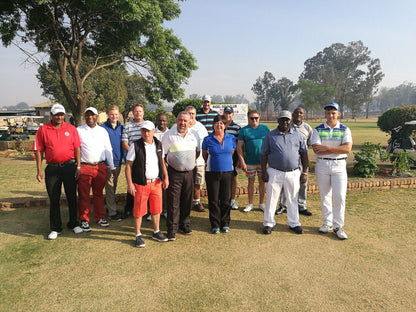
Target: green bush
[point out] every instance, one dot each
(401, 163)
(395, 117)
(148, 115)
(181, 105)
(365, 165)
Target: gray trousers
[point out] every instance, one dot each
(301, 197)
(110, 191)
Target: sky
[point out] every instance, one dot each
(236, 41)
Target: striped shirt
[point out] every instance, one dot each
(206, 119)
(233, 129)
(305, 131)
(325, 135)
(131, 132)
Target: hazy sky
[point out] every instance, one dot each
(236, 41)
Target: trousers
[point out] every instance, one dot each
(110, 191)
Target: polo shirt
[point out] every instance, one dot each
(206, 119)
(131, 132)
(180, 150)
(325, 135)
(58, 144)
(283, 149)
(219, 155)
(233, 129)
(152, 163)
(159, 134)
(253, 139)
(305, 131)
(115, 138)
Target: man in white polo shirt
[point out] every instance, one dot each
(331, 142)
(95, 149)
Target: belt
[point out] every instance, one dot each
(343, 158)
(62, 164)
(151, 180)
(92, 164)
(285, 170)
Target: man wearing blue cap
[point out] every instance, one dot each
(331, 142)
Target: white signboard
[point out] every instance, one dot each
(240, 112)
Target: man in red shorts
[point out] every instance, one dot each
(146, 175)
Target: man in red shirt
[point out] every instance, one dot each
(59, 143)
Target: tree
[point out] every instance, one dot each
(349, 70)
(313, 95)
(282, 93)
(108, 32)
(263, 89)
(404, 94)
(181, 105)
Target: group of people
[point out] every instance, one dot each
(165, 168)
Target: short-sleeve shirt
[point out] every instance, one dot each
(283, 149)
(181, 150)
(305, 131)
(219, 155)
(325, 135)
(152, 162)
(59, 144)
(253, 139)
(131, 132)
(206, 119)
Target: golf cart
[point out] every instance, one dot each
(402, 141)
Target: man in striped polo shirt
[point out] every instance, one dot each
(206, 115)
(331, 142)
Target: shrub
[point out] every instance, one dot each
(366, 165)
(395, 117)
(401, 163)
(181, 105)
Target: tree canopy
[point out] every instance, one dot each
(106, 33)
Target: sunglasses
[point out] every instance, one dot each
(254, 118)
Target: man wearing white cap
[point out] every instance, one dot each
(206, 115)
(146, 177)
(95, 149)
(284, 150)
(59, 142)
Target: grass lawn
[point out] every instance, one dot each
(244, 270)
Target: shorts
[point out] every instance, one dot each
(151, 192)
(199, 175)
(252, 169)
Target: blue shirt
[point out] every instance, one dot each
(253, 138)
(219, 155)
(115, 139)
(283, 149)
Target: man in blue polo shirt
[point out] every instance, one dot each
(114, 130)
(283, 149)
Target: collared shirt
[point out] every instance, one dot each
(325, 135)
(219, 155)
(152, 162)
(283, 149)
(59, 144)
(180, 150)
(305, 131)
(233, 129)
(253, 139)
(115, 138)
(131, 132)
(95, 145)
(159, 134)
(206, 119)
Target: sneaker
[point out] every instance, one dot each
(171, 236)
(215, 230)
(340, 233)
(281, 210)
(325, 228)
(139, 242)
(160, 237)
(225, 229)
(117, 217)
(185, 230)
(77, 230)
(267, 230)
(53, 235)
(165, 214)
(296, 229)
(305, 212)
(262, 207)
(85, 226)
(248, 208)
(149, 217)
(234, 205)
(103, 222)
(198, 207)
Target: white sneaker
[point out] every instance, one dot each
(234, 205)
(262, 207)
(53, 235)
(325, 228)
(248, 208)
(149, 217)
(77, 230)
(103, 222)
(340, 233)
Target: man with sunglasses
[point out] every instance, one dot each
(206, 115)
(250, 139)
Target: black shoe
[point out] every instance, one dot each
(185, 230)
(126, 214)
(281, 210)
(267, 230)
(171, 236)
(85, 226)
(117, 217)
(160, 237)
(296, 229)
(305, 212)
(139, 242)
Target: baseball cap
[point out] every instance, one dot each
(285, 114)
(332, 104)
(228, 109)
(57, 108)
(148, 125)
(92, 109)
(206, 97)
